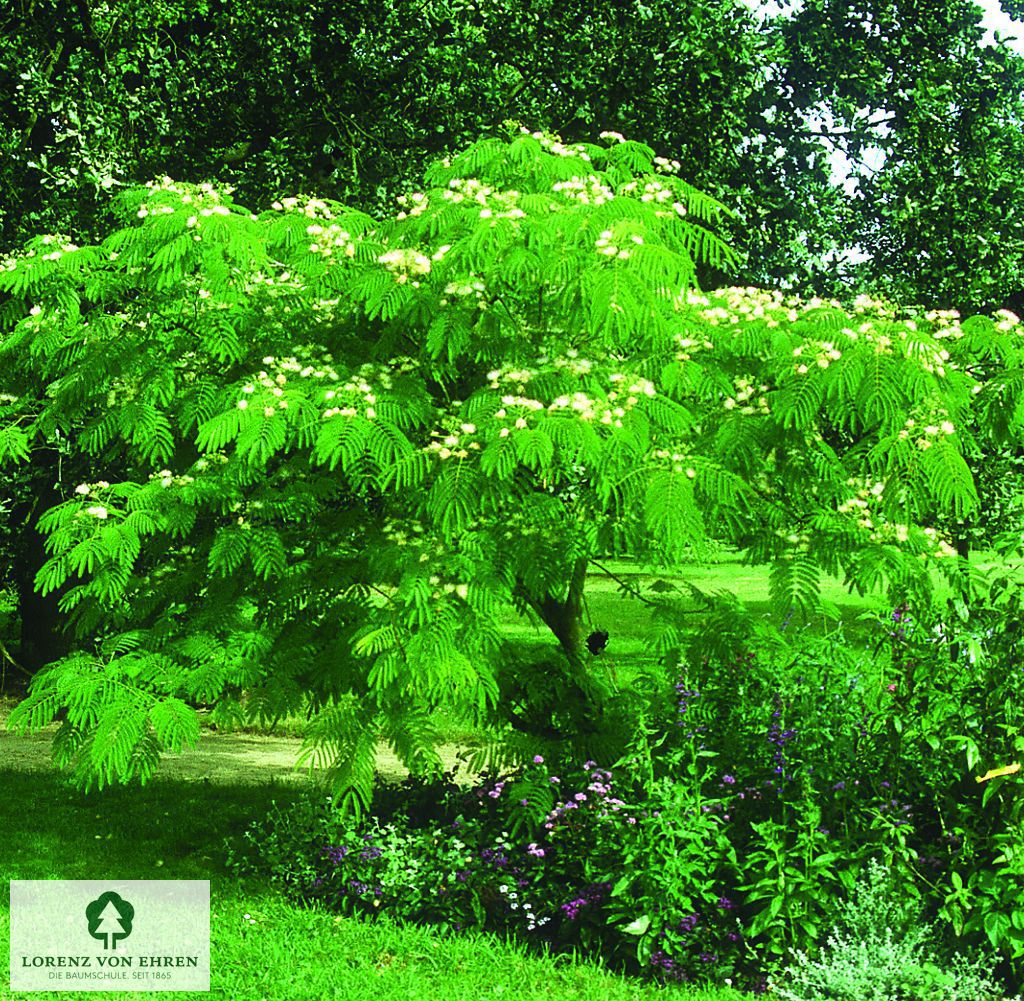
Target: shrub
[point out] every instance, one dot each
(879, 953)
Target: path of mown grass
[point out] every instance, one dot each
(176, 829)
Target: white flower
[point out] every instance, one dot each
(268, 411)
(35, 310)
(97, 512)
(462, 590)
(242, 404)
(82, 489)
(468, 428)
(947, 427)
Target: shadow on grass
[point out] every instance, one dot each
(167, 829)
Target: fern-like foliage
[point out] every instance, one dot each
(322, 453)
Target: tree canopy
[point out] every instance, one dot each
(330, 448)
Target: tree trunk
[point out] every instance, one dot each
(565, 618)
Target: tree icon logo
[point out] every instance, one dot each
(110, 918)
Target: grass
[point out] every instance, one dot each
(175, 830)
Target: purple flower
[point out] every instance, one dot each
(725, 903)
(538, 759)
(493, 857)
(689, 922)
(839, 787)
(572, 909)
(580, 797)
(335, 853)
(729, 779)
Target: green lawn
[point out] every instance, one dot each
(175, 830)
(628, 619)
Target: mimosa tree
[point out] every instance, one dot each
(328, 451)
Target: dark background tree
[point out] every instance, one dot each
(352, 99)
(930, 119)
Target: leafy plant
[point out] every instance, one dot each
(344, 445)
(879, 951)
